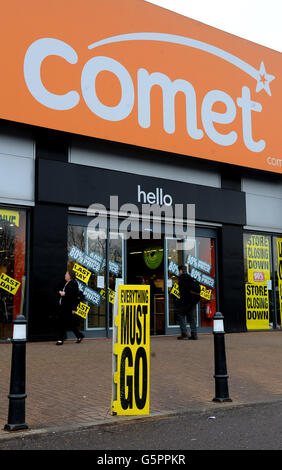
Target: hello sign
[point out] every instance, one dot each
(129, 71)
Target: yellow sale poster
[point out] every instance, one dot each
(9, 284)
(258, 259)
(205, 293)
(279, 272)
(257, 307)
(82, 310)
(132, 351)
(11, 217)
(111, 295)
(175, 290)
(81, 273)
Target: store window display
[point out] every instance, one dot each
(12, 268)
(200, 262)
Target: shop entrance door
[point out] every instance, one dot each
(139, 261)
(200, 259)
(145, 265)
(101, 261)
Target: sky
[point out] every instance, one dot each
(259, 21)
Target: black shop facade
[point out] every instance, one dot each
(228, 254)
(64, 233)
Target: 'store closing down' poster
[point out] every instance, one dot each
(258, 258)
(131, 351)
(257, 307)
(256, 290)
(279, 273)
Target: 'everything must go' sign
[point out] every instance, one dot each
(132, 351)
(132, 72)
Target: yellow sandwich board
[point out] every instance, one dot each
(131, 351)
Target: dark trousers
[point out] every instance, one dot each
(187, 311)
(68, 321)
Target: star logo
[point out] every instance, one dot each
(263, 80)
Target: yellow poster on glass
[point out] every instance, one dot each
(132, 351)
(257, 307)
(258, 258)
(11, 217)
(9, 284)
(279, 273)
(111, 295)
(81, 273)
(204, 293)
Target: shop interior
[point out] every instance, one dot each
(12, 268)
(145, 265)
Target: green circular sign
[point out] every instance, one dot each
(153, 257)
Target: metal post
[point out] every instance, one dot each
(17, 396)
(221, 377)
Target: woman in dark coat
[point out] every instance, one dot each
(68, 301)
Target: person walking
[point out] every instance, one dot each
(68, 302)
(189, 291)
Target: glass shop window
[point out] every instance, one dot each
(258, 281)
(12, 268)
(277, 288)
(200, 261)
(87, 257)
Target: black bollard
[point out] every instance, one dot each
(221, 377)
(17, 396)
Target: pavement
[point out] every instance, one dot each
(69, 387)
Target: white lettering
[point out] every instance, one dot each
(97, 228)
(151, 198)
(247, 107)
(141, 193)
(45, 47)
(129, 226)
(34, 57)
(274, 161)
(154, 198)
(167, 200)
(209, 117)
(89, 73)
(169, 88)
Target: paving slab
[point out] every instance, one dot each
(70, 386)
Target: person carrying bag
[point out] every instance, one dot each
(68, 302)
(189, 290)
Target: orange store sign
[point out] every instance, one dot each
(129, 71)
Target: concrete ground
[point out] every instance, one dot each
(70, 386)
